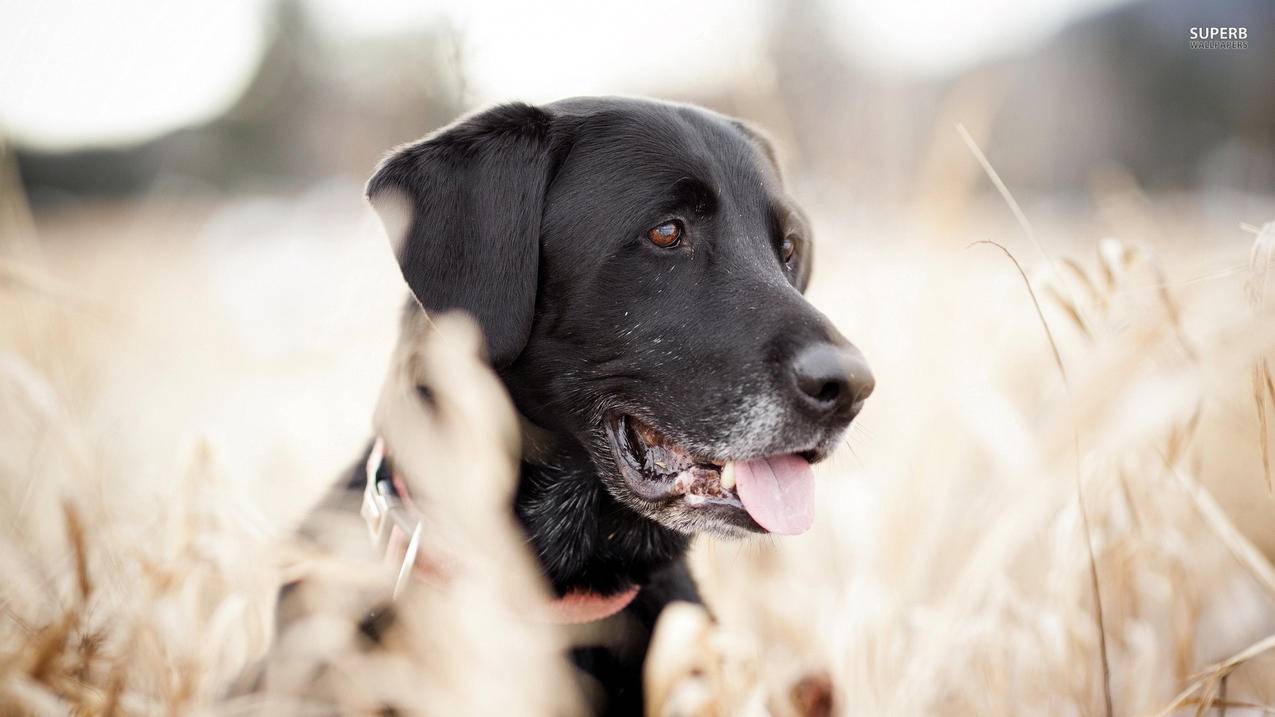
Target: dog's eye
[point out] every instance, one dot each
(666, 235)
(788, 249)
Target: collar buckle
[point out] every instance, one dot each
(390, 522)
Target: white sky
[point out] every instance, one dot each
(83, 72)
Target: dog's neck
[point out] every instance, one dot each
(539, 445)
(583, 537)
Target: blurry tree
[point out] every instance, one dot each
(1122, 89)
(316, 107)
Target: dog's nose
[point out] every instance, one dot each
(832, 379)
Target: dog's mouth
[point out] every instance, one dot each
(771, 494)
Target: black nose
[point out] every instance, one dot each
(832, 379)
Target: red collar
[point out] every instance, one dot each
(395, 527)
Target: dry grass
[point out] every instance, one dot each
(172, 408)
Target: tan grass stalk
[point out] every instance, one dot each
(1216, 672)
(1094, 586)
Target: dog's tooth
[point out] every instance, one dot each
(662, 465)
(728, 476)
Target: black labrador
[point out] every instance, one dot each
(637, 270)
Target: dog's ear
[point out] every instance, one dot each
(761, 141)
(766, 146)
(462, 210)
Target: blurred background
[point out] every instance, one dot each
(205, 102)
(187, 268)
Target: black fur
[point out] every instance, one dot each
(583, 537)
(535, 221)
(475, 196)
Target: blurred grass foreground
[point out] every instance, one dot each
(171, 410)
(1058, 502)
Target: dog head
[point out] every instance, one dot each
(637, 270)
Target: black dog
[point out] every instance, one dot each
(637, 271)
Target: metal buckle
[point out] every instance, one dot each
(385, 512)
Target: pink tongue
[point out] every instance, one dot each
(779, 492)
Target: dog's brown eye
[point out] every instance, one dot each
(666, 235)
(788, 249)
